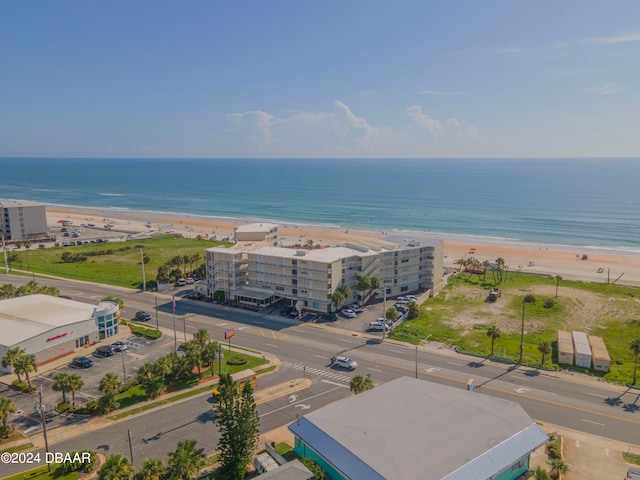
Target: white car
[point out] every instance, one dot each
(348, 313)
(181, 282)
(190, 281)
(378, 326)
(346, 362)
(412, 298)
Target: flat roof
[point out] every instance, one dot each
(449, 432)
(22, 318)
(256, 227)
(19, 203)
(324, 255)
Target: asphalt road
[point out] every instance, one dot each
(594, 408)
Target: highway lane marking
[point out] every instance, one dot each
(300, 401)
(320, 356)
(272, 345)
(375, 369)
(523, 395)
(334, 383)
(454, 363)
(395, 351)
(591, 421)
(594, 394)
(345, 340)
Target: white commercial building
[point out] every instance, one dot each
(23, 220)
(51, 327)
(256, 232)
(258, 275)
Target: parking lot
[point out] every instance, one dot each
(124, 364)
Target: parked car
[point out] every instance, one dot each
(190, 281)
(348, 313)
(82, 362)
(57, 244)
(331, 316)
(412, 298)
(105, 351)
(181, 282)
(346, 362)
(378, 326)
(143, 316)
(64, 229)
(42, 245)
(119, 346)
(355, 308)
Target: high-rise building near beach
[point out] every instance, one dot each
(23, 220)
(258, 274)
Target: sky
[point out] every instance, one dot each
(322, 79)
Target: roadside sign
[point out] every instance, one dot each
(229, 333)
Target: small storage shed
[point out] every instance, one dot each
(565, 347)
(582, 349)
(599, 355)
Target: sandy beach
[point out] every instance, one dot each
(572, 263)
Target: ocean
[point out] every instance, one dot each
(573, 202)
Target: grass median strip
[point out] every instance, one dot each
(17, 448)
(149, 406)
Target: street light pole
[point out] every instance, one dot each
(4, 253)
(416, 361)
(41, 407)
(522, 333)
(124, 372)
(144, 282)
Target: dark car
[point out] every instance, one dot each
(331, 317)
(119, 346)
(143, 316)
(82, 362)
(105, 351)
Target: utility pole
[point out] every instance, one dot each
(522, 333)
(416, 361)
(124, 372)
(175, 335)
(41, 408)
(157, 326)
(144, 282)
(130, 446)
(4, 253)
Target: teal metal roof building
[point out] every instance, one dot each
(411, 429)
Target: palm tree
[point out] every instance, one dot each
(152, 469)
(558, 467)
(558, 278)
(185, 461)
(493, 333)
(7, 407)
(10, 357)
(545, 349)
(75, 384)
(61, 384)
(209, 354)
(337, 299)
(116, 467)
(27, 244)
(345, 290)
(363, 285)
(634, 346)
(201, 337)
(360, 384)
(391, 314)
(374, 284)
(18, 245)
(25, 364)
(540, 474)
(110, 384)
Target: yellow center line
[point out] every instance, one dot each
(516, 394)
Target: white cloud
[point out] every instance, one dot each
(440, 92)
(624, 38)
(341, 133)
(608, 89)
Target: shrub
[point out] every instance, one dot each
(549, 303)
(236, 361)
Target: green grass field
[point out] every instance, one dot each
(122, 268)
(460, 316)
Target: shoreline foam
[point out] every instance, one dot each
(522, 256)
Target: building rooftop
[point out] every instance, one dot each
(324, 255)
(20, 203)
(256, 227)
(25, 317)
(408, 427)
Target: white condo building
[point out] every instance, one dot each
(258, 274)
(23, 220)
